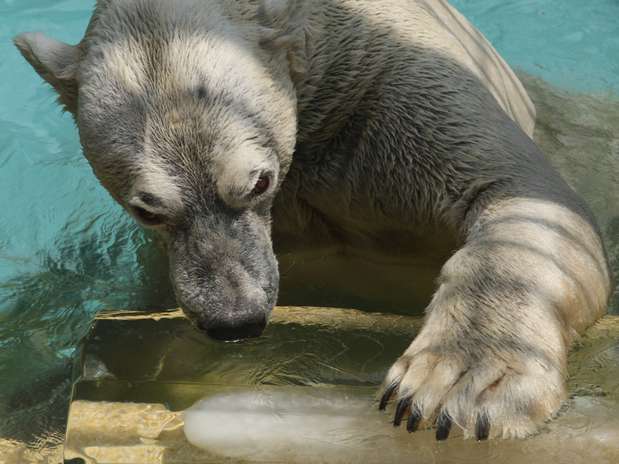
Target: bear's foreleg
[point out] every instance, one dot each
(491, 356)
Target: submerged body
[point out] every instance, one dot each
(373, 136)
(349, 218)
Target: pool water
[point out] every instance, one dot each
(67, 250)
(570, 43)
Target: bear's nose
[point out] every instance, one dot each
(248, 327)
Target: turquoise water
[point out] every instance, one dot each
(571, 43)
(67, 250)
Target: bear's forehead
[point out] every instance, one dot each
(168, 64)
(161, 44)
(185, 131)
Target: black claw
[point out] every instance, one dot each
(402, 407)
(443, 426)
(482, 427)
(385, 398)
(414, 419)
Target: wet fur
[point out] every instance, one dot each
(386, 125)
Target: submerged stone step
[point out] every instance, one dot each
(303, 392)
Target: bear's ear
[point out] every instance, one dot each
(55, 61)
(281, 21)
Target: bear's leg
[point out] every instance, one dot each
(491, 356)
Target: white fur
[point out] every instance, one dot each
(154, 179)
(237, 173)
(124, 64)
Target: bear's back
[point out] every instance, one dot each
(436, 25)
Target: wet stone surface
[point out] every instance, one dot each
(305, 392)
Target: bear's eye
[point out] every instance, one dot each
(262, 185)
(147, 217)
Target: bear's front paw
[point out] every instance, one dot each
(484, 391)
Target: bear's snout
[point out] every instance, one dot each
(235, 314)
(239, 328)
(225, 275)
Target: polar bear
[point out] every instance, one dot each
(378, 147)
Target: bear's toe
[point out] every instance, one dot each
(485, 399)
